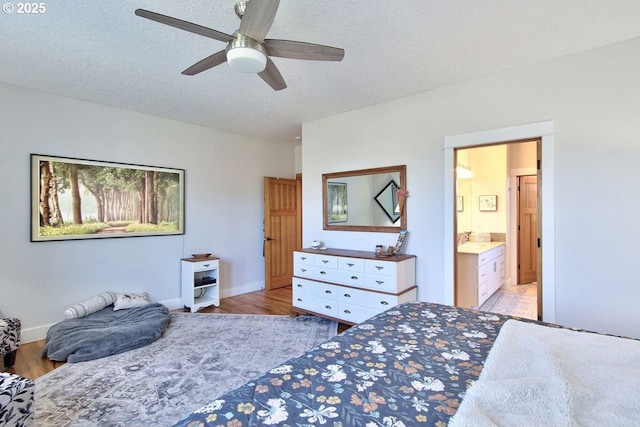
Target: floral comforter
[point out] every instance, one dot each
(410, 365)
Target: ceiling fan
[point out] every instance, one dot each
(247, 49)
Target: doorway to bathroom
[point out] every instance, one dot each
(545, 169)
(496, 219)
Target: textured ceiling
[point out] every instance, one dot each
(98, 50)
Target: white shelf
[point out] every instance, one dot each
(197, 275)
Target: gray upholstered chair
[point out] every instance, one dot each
(9, 340)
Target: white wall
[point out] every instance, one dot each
(594, 100)
(223, 205)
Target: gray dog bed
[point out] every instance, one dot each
(106, 332)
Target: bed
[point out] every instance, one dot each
(410, 365)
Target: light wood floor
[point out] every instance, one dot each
(31, 364)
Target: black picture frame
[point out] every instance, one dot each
(387, 199)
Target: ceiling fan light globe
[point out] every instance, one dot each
(246, 60)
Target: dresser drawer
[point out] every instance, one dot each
(384, 268)
(304, 270)
(303, 258)
(351, 264)
(316, 272)
(351, 278)
(326, 261)
(327, 307)
(372, 300)
(381, 283)
(312, 288)
(354, 313)
(205, 265)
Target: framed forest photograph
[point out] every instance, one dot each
(337, 202)
(91, 199)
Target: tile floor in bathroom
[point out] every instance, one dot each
(518, 300)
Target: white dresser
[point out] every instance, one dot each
(351, 286)
(480, 272)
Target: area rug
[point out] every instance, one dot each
(513, 304)
(200, 357)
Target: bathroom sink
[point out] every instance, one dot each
(473, 245)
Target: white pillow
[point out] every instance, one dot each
(89, 306)
(131, 300)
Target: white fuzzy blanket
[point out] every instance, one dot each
(540, 376)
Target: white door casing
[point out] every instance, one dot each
(545, 131)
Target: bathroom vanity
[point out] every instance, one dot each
(480, 272)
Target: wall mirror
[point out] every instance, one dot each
(364, 200)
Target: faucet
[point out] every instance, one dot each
(463, 237)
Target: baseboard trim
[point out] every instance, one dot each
(249, 287)
(40, 332)
(34, 334)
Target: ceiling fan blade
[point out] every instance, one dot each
(208, 62)
(184, 25)
(302, 50)
(258, 17)
(271, 75)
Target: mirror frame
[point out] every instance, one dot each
(401, 169)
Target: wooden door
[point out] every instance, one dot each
(527, 229)
(281, 230)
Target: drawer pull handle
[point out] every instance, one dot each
(328, 307)
(327, 291)
(299, 285)
(379, 267)
(354, 277)
(206, 265)
(384, 303)
(303, 258)
(324, 261)
(347, 296)
(323, 272)
(350, 264)
(379, 282)
(347, 312)
(300, 299)
(303, 270)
